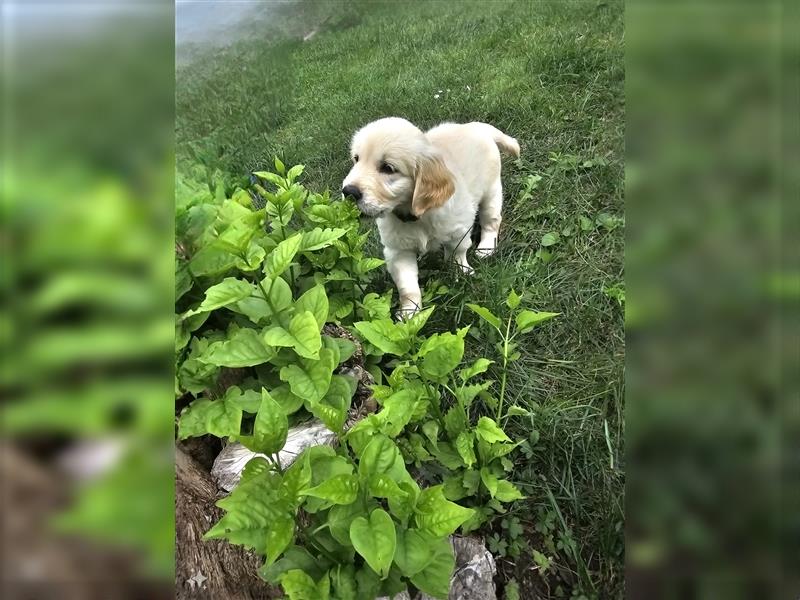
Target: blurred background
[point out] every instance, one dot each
(713, 284)
(712, 422)
(86, 457)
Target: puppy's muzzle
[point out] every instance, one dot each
(354, 193)
(351, 191)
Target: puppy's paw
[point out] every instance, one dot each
(466, 269)
(484, 251)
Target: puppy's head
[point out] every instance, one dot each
(395, 167)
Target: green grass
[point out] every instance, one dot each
(551, 75)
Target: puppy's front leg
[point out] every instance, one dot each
(402, 265)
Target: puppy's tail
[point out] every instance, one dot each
(506, 143)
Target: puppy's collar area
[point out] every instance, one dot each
(404, 214)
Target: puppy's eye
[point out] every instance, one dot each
(387, 169)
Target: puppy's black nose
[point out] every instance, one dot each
(352, 191)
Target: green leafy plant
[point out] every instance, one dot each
(255, 290)
(519, 321)
(443, 430)
(258, 290)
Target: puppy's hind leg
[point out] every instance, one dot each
(402, 266)
(489, 217)
(458, 249)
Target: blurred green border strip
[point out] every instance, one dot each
(712, 284)
(87, 326)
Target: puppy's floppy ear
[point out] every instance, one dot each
(433, 185)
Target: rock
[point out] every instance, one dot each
(473, 578)
(230, 463)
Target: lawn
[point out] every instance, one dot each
(551, 75)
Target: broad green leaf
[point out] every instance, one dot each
(486, 315)
(297, 477)
(436, 515)
(414, 551)
(342, 489)
(489, 452)
(273, 178)
(319, 238)
(379, 457)
(361, 434)
(282, 256)
(211, 261)
(311, 378)
(365, 265)
(417, 321)
(279, 537)
(245, 348)
(339, 307)
(447, 455)
(397, 412)
(294, 173)
(269, 429)
(490, 432)
(258, 309)
(385, 335)
(324, 466)
(550, 239)
(369, 584)
(507, 491)
(333, 408)
(489, 480)
(441, 354)
(513, 300)
(248, 401)
(302, 336)
(375, 540)
(227, 292)
(343, 581)
(314, 301)
(471, 481)
(455, 422)
(517, 411)
(476, 368)
(377, 307)
(254, 256)
(217, 417)
(183, 280)
(528, 319)
(403, 506)
(252, 508)
(339, 519)
(453, 487)
(383, 486)
(294, 558)
(236, 238)
(345, 347)
(431, 431)
(299, 586)
(330, 343)
(466, 394)
(434, 579)
(465, 447)
(289, 402)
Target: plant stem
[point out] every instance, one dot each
(310, 542)
(505, 366)
(266, 296)
(276, 461)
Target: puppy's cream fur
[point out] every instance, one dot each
(425, 190)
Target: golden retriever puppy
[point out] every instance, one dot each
(425, 189)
